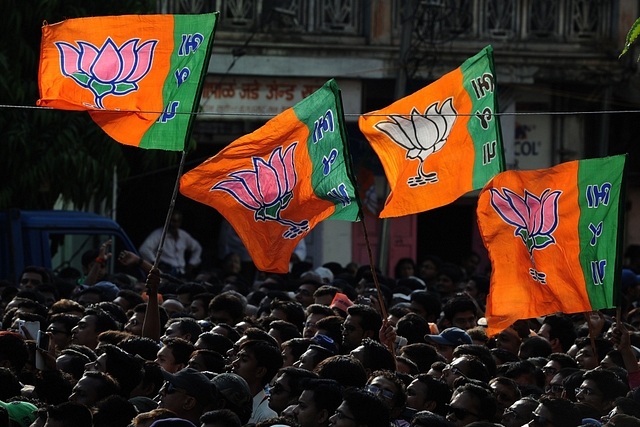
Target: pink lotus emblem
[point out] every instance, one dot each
(535, 218)
(108, 70)
(267, 189)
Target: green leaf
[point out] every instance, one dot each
(101, 88)
(632, 35)
(124, 87)
(541, 240)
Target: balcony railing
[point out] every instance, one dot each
(435, 21)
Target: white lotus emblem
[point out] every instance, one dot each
(421, 135)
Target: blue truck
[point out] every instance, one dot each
(56, 239)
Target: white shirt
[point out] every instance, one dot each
(174, 250)
(261, 410)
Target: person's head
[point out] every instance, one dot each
(93, 387)
(226, 308)
(599, 389)
(425, 305)
(422, 354)
(324, 294)
(235, 394)
(69, 414)
(283, 331)
(388, 386)
(174, 355)
(314, 313)
(558, 329)
(552, 412)
(405, 267)
(94, 322)
(312, 356)
(290, 311)
(585, 357)
(479, 351)
(186, 328)
(373, 356)
(257, 362)
(127, 299)
(534, 347)
(122, 366)
(362, 322)
(506, 392)
(426, 393)
(520, 412)
(32, 276)
(345, 369)
(199, 307)
(478, 287)
(60, 325)
(471, 403)
(360, 408)
(460, 312)
(207, 360)
(293, 349)
(412, 327)
(287, 387)
(448, 340)
(449, 276)
(509, 340)
(557, 361)
(466, 366)
(13, 351)
(317, 402)
(188, 393)
(305, 291)
(220, 418)
(214, 341)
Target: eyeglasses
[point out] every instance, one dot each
(58, 331)
(169, 388)
(460, 413)
(454, 370)
(554, 388)
(309, 324)
(384, 393)
(538, 420)
(348, 328)
(341, 415)
(277, 389)
(549, 370)
(510, 413)
(586, 391)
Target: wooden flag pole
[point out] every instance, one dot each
(383, 309)
(172, 204)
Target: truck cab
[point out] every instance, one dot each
(56, 239)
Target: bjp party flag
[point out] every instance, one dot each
(440, 142)
(554, 239)
(275, 184)
(139, 76)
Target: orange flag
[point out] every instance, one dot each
(441, 142)
(553, 237)
(139, 76)
(275, 184)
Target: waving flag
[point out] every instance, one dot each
(440, 142)
(139, 76)
(553, 237)
(275, 184)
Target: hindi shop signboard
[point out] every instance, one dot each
(260, 98)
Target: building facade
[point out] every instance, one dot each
(557, 70)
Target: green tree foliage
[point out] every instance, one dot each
(47, 153)
(632, 35)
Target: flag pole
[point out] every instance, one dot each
(383, 309)
(172, 204)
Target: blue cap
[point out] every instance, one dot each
(450, 336)
(325, 342)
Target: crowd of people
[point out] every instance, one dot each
(323, 346)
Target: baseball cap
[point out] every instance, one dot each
(325, 274)
(234, 388)
(195, 384)
(325, 342)
(450, 336)
(23, 413)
